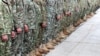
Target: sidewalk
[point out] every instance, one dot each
(85, 41)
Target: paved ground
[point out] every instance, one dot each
(85, 41)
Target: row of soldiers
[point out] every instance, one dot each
(27, 24)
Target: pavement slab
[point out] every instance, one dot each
(84, 41)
